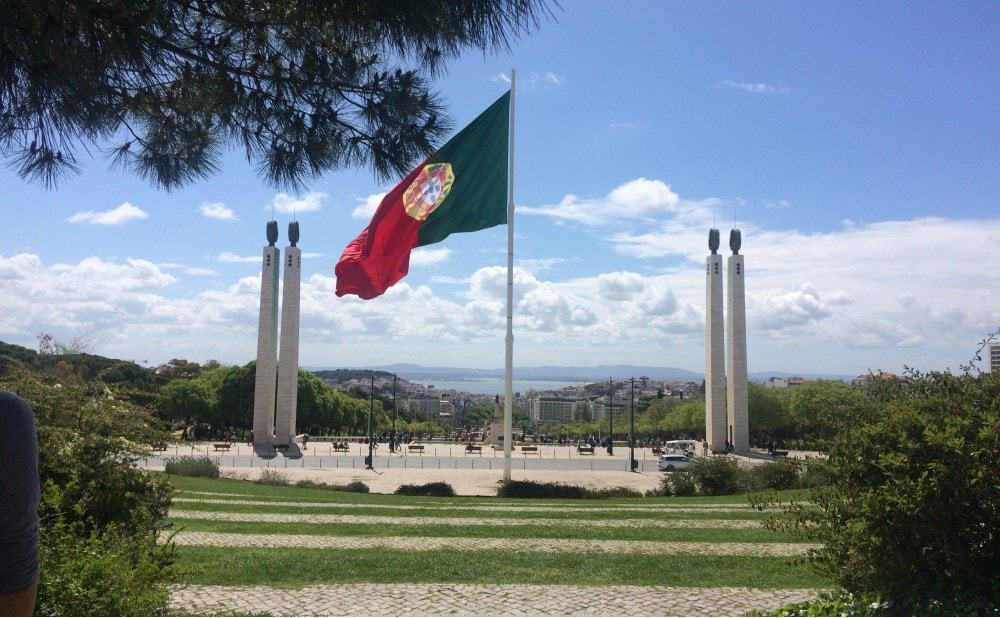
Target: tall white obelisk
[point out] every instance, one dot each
(288, 361)
(267, 343)
(715, 378)
(736, 349)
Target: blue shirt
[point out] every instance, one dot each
(19, 494)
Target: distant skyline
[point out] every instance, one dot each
(855, 144)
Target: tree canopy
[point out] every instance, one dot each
(303, 87)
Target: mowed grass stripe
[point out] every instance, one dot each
(456, 509)
(299, 567)
(431, 544)
(568, 534)
(232, 490)
(318, 518)
(659, 505)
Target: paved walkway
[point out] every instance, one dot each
(481, 600)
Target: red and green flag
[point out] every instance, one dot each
(461, 188)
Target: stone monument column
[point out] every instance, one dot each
(715, 378)
(267, 343)
(737, 393)
(288, 361)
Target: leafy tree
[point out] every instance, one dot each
(687, 419)
(767, 414)
(47, 344)
(187, 401)
(234, 394)
(99, 511)
(817, 406)
(656, 413)
(320, 408)
(480, 414)
(178, 368)
(911, 515)
(302, 87)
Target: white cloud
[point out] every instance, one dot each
(285, 203)
(640, 198)
(533, 80)
(753, 88)
(367, 207)
(118, 216)
(218, 210)
(866, 295)
(428, 257)
(233, 258)
(195, 271)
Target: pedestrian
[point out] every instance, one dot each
(19, 516)
(305, 442)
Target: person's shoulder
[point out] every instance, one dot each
(12, 401)
(16, 417)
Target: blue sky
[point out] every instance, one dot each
(856, 144)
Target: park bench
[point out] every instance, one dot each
(473, 448)
(222, 446)
(585, 450)
(159, 448)
(415, 448)
(530, 450)
(780, 454)
(340, 446)
(281, 447)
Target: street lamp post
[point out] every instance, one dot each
(370, 460)
(631, 432)
(392, 437)
(611, 417)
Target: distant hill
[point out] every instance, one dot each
(599, 373)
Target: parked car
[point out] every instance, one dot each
(675, 461)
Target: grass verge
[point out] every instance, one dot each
(302, 567)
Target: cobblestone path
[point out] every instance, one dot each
(481, 600)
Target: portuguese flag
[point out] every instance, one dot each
(461, 188)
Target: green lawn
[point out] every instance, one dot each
(559, 523)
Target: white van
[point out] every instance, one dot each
(688, 448)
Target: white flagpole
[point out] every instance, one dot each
(508, 384)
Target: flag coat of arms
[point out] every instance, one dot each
(460, 188)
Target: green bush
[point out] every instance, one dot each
(911, 516)
(105, 573)
(359, 487)
(271, 476)
(98, 510)
(778, 475)
(192, 466)
(532, 489)
(835, 604)
(612, 492)
(436, 490)
(815, 474)
(680, 483)
(718, 476)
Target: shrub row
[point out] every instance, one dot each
(192, 466)
(718, 476)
